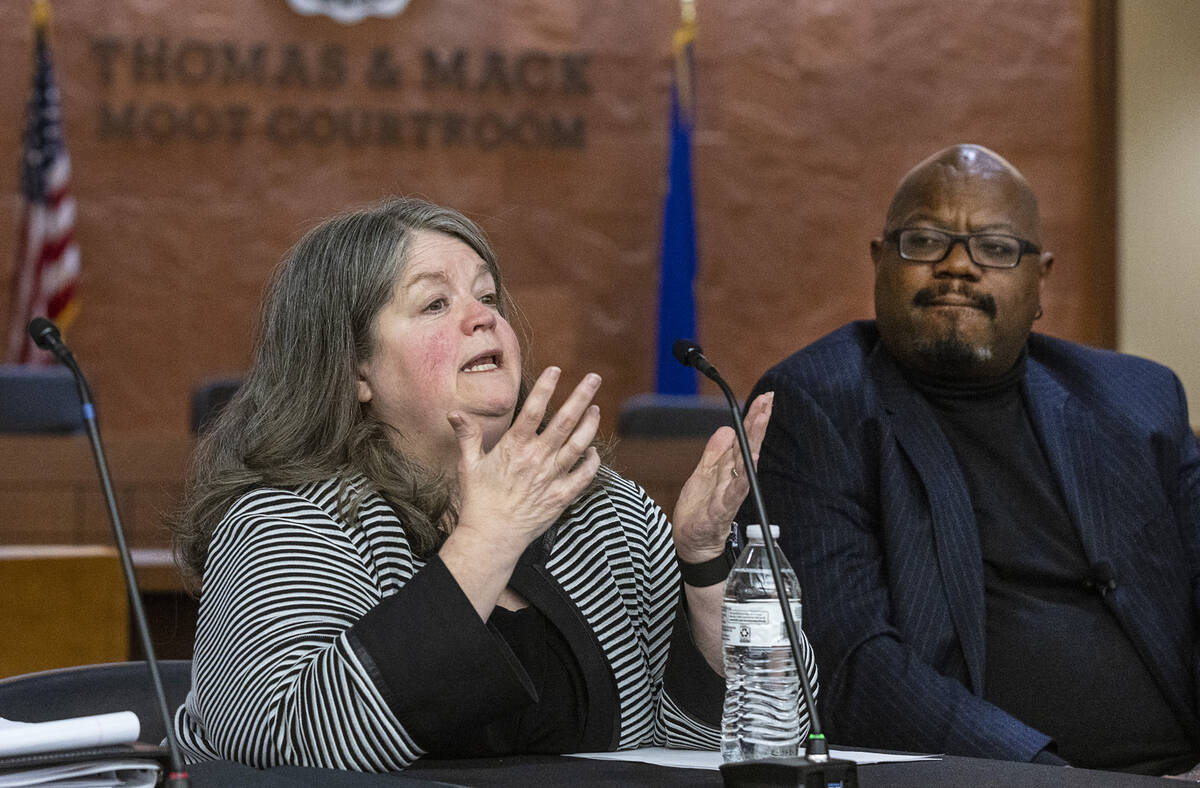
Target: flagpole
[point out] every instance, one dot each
(684, 37)
(41, 15)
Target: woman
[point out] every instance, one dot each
(403, 554)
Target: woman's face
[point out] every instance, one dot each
(440, 345)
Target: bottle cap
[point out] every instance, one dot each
(755, 532)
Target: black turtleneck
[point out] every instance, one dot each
(1056, 657)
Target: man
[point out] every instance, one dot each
(997, 533)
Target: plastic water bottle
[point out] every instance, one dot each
(762, 689)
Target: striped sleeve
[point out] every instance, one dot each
(307, 655)
(275, 677)
(678, 700)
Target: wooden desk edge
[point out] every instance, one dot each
(156, 571)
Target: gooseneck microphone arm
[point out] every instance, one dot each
(689, 354)
(45, 334)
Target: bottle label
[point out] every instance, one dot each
(756, 623)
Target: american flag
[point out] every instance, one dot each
(47, 266)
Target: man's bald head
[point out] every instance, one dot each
(954, 316)
(957, 168)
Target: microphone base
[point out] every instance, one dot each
(791, 772)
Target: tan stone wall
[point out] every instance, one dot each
(809, 113)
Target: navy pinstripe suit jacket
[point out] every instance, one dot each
(878, 525)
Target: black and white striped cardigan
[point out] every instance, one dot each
(328, 643)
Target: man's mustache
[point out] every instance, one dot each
(981, 301)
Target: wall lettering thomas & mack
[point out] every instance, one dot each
(528, 99)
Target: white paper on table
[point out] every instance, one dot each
(130, 773)
(711, 759)
(97, 730)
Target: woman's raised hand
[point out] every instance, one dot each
(513, 492)
(711, 496)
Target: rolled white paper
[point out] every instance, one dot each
(98, 730)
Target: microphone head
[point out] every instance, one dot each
(685, 351)
(45, 333)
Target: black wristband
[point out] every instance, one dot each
(710, 572)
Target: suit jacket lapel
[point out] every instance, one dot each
(1106, 508)
(956, 538)
(1070, 436)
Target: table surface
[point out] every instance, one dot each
(527, 770)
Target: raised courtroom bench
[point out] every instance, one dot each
(50, 491)
(50, 494)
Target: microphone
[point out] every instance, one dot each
(46, 335)
(689, 354)
(1101, 577)
(816, 768)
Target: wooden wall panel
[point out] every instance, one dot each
(809, 112)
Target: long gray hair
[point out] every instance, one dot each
(296, 417)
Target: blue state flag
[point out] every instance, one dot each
(677, 302)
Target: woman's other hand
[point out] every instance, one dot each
(713, 493)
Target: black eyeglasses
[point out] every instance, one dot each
(989, 250)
